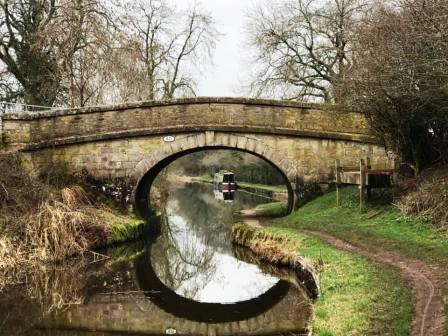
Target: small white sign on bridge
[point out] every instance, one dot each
(169, 138)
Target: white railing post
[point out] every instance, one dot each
(7, 107)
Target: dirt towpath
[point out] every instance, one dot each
(424, 280)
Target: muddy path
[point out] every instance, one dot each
(424, 280)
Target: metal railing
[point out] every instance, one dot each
(6, 107)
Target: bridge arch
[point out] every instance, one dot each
(150, 166)
(113, 142)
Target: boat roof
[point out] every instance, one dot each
(224, 172)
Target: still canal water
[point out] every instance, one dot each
(184, 278)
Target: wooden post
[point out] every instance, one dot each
(368, 187)
(362, 183)
(367, 162)
(338, 181)
(395, 166)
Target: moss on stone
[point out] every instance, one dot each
(127, 229)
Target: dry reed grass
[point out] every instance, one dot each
(59, 230)
(76, 196)
(427, 196)
(273, 249)
(41, 224)
(8, 254)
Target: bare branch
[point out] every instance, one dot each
(305, 43)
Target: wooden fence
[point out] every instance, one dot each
(364, 176)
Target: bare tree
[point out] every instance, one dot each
(303, 47)
(26, 49)
(55, 51)
(10, 89)
(164, 49)
(85, 37)
(78, 53)
(400, 79)
(145, 48)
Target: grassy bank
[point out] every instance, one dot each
(378, 227)
(357, 297)
(274, 209)
(279, 250)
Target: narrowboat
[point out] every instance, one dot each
(224, 181)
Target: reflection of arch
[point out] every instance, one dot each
(147, 169)
(181, 307)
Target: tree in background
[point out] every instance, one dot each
(247, 167)
(304, 47)
(28, 50)
(54, 51)
(388, 59)
(162, 50)
(80, 53)
(400, 78)
(9, 87)
(85, 38)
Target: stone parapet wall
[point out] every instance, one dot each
(49, 128)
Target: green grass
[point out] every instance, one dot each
(358, 297)
(274, 209)
(411, 237)
(204, 178)
(273, 188)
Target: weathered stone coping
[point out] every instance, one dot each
(269, 249)
(186, 129)
(179, 101)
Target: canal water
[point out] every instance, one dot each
(185, 278)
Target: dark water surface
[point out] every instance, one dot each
(185, 278)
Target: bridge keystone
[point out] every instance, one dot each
(209, 137)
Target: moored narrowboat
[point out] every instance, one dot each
(224, 181)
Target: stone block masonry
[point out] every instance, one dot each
(48, 128)
(126, 141)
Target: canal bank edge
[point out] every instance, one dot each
(277, 250)
(407, 246)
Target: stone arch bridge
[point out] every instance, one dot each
(135, 141)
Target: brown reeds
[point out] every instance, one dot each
(273, 249)
(76, 196)
(427, 197)
(39, 223)
(60, 230)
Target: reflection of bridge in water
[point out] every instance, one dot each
(285, 308)
(148, 306)
(134, 313)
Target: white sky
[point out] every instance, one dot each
(230, 66)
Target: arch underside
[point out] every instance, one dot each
(148, 168)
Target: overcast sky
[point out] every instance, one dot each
(230, 60)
